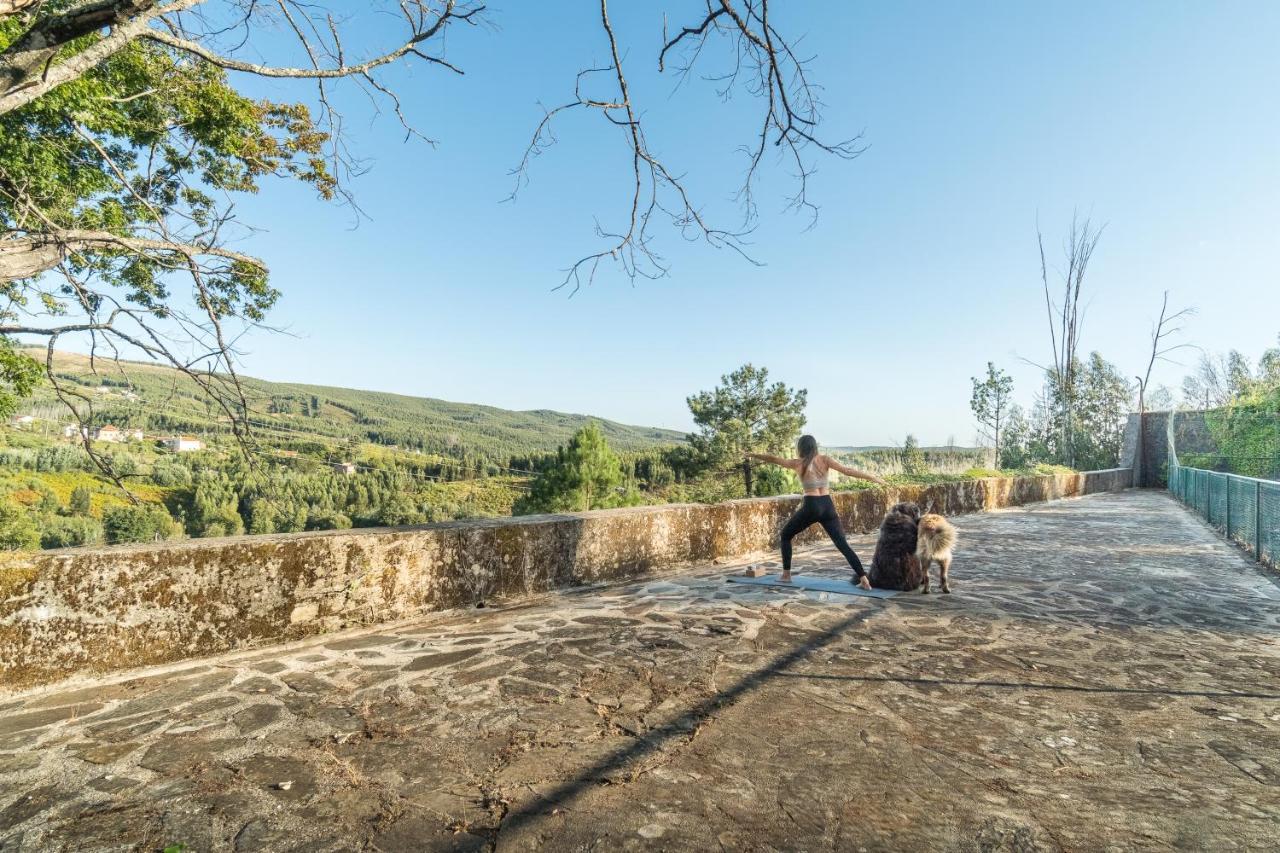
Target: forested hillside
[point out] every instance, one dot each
(312, 418)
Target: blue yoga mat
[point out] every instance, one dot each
(815, 584)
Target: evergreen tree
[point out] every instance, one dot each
(745, 414)
(138, 523)
(1105, 398)
(913, 461)
(1014, 449)
(81, 501)
(990, 403)
(585, 475)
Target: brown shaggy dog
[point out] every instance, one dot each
(895, 565)
(935, 540)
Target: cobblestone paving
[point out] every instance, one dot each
(1105, 677)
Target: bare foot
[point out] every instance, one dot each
(785, 578)
(864, 582)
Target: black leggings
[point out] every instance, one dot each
(822, 509)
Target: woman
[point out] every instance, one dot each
(814, 468)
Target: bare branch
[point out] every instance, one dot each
(410, 47)
(791, 114)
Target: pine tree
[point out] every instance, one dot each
(745, 414)
(913, 462)
(81, 501)
(990, 403)
(586, 474)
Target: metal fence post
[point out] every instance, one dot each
(1257, 521)
(1228, 506)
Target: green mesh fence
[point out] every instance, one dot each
(1245, 509)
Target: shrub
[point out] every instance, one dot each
(17, 529)
(62, 459)
(398, 512)
(140, 523)
(63, 532)
(48, 500)
(169, 474)
(81, 502)
(326, 519)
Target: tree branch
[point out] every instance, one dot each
(410, 47)
(27, 256)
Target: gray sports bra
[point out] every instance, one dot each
(814, 481)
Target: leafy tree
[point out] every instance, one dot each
(81, 502)
(1246, 426)
(1267, 378)
(773, 480)
(70, 532)
(124, 142)
(1015, 451)
(328, 520)
(990, 403)
(745, 414)
(170, 474)
(913, 461)
(399, 511)
(1101, 402)
(138, 523)
(214, 508)
(1217, 380)
(585, 475)
(19, 374)
(1104, 403)
(17, 529)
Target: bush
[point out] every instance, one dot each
(123, 464)
(63, 459)
(81, 502)
(140, 523)
(71, 532)
(48, 500)
(328, 520)
(398, 512)
(169, 474)
(17, 529)
(913, 461)
(773, 480)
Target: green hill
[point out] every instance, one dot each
(161, 400)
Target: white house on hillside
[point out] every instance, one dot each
(74, 431)
(108, 433)
(183, 443)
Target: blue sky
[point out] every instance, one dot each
(1160, 119)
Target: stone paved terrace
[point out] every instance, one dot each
(1106, 677)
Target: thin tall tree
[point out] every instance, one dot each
(1065, 320)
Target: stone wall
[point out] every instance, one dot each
(1191, 433)
(88, 611)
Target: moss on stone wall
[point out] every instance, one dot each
(94, 610)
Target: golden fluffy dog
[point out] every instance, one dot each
(935, 540)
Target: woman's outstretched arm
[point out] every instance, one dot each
(853, 472)
(775, 460)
